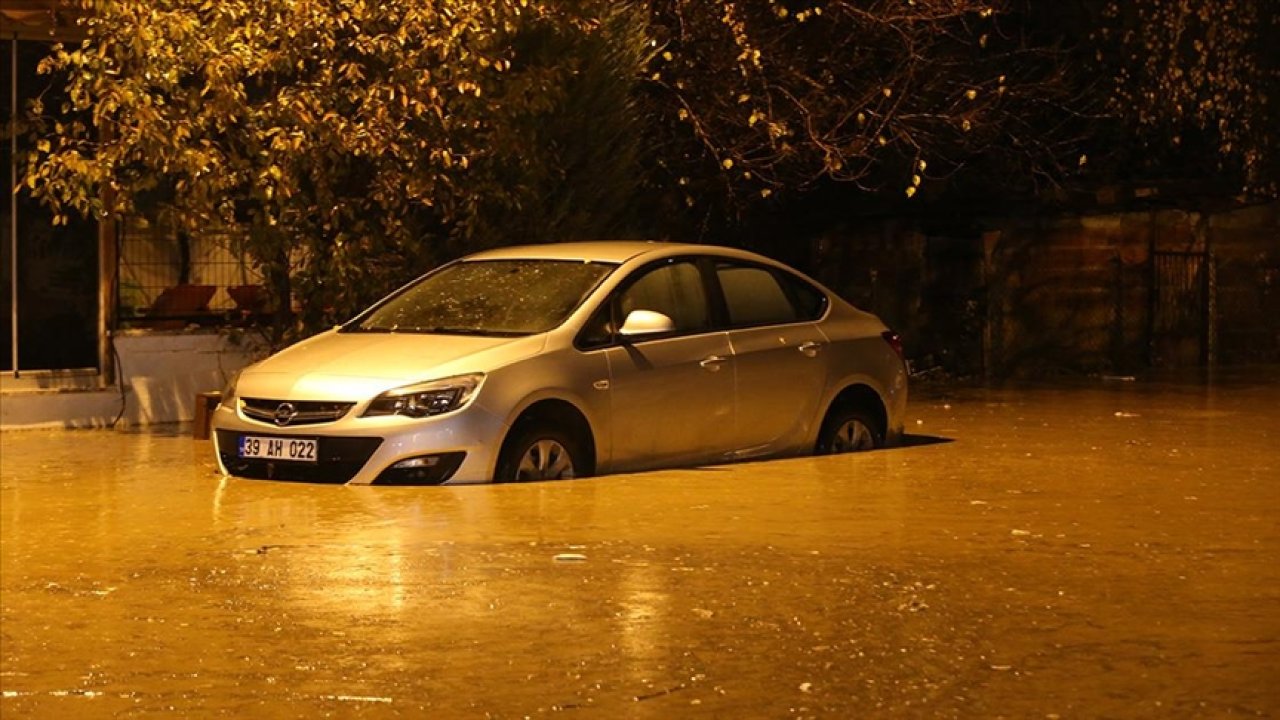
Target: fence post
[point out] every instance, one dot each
(1211, 309)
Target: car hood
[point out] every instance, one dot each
(357, 366)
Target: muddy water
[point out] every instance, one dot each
(1096, 550)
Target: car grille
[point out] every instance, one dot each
(293, 412)
(338, 460)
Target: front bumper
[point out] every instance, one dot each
(457, 448)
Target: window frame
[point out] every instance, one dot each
(717, 303)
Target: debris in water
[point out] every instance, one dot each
(805, 687)
(570, 558)
(357, 698)
(1122, 414)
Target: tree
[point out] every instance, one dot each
(368, 142)
(782, 96)
(1197, 83)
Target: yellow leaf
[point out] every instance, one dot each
(726, 163)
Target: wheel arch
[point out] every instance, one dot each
(559, 413)
(862, 396)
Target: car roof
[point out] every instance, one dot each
(612, 251)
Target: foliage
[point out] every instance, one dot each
(376, 138)
(780, 96)
(372, 139)
(1198, 81)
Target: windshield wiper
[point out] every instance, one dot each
(445, 330)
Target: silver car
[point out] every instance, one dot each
(567, 360)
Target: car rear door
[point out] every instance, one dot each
(779, 355)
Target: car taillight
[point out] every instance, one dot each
(894, 341)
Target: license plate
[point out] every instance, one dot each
(270, 448)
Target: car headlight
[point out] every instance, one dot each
(427, 398)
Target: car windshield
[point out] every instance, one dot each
(488, 297)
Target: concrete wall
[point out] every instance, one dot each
(1080, 293)
(163, 372)
(1070, 293)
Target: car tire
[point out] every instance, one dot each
(848, 429)
(539, 452)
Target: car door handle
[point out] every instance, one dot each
(810, 348)
(713, 362)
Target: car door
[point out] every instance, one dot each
(779, 355)
(672, 393)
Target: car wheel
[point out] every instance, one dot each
(848, 430)
(540, 453)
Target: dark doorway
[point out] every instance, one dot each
(955, 294)
(55, 267)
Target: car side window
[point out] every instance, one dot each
(598, 331)
(809, 302)
(754, 296)
(674, 290)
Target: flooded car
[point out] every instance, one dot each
(567, 360)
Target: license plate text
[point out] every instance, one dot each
(269, 448)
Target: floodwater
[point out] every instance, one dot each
(1092, 549)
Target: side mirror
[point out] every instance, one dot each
(645, 322)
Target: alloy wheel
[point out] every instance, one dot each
(852, 436)
(545, 459)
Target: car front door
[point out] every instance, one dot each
(671, 393)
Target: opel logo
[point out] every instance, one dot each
(285, 413)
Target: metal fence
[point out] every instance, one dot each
(169, 278)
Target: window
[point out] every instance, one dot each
(754, 296)
(808, 300)
(488, 297)
(675, 291)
